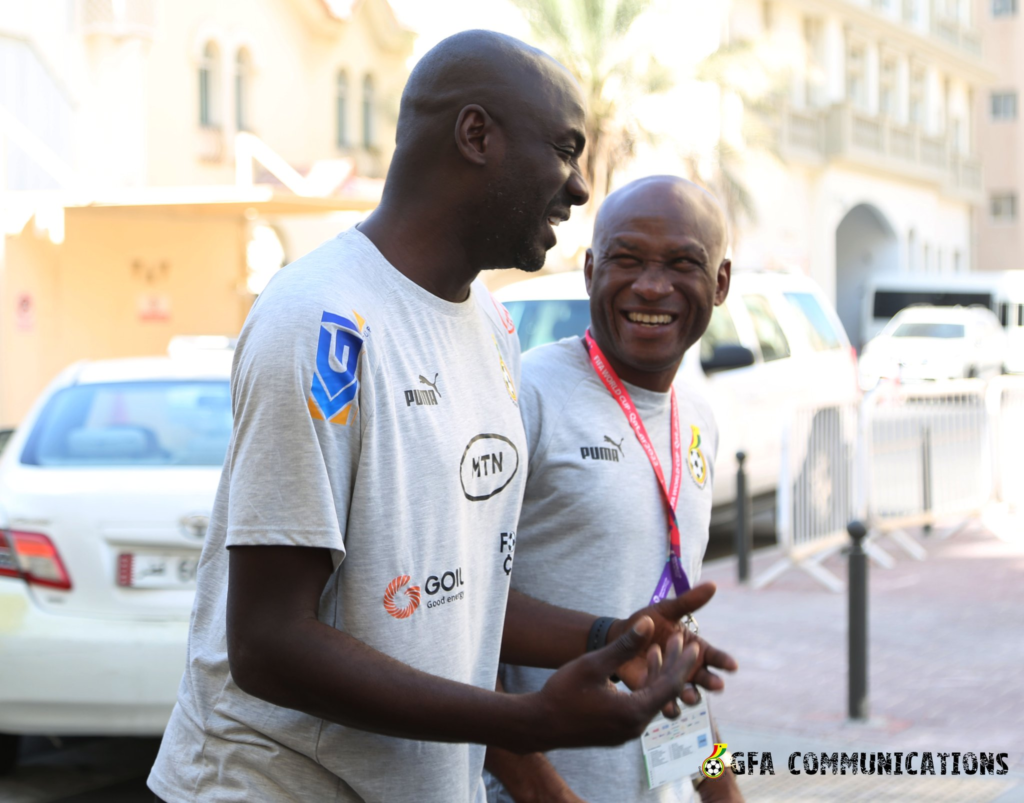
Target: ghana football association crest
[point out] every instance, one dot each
(714, 765)
(510, 386)
(695, 459)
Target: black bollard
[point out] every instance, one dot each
(858, 622)
(744, 521)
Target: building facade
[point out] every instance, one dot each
(1000, 236)
(873, 163)
(159, 160)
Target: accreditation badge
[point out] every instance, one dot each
(674, 749)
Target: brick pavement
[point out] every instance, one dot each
(946, 657)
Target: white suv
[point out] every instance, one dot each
(931, 343)
(105, 492)
(799, 354)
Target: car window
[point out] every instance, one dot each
(773, 342)
(925, 329)
(820, 332)
(540, 322)
(888, 302)
(166, 423)
(720, 332)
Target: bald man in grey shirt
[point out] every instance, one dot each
(593, 533)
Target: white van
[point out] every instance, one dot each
(884, 296)
(798, 355)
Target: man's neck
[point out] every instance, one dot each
(658, 381)
(424, 249)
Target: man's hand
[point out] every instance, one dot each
(666, 615)
(579, 706)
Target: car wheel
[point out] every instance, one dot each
(822, 493)
(8, 753)
(972, 372)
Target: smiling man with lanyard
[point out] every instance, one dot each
(597, 508)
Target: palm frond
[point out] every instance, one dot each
(626, 13)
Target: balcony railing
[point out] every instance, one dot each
(952, 31)
(843, 133)
(117, 17)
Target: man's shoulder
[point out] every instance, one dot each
(553, 372)
(693, 399)
(344, 267)
(563, 356)
(339, 281)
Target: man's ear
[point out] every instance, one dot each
(477, 136)
(724, 279)
(588, 268)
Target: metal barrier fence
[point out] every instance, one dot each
(910, 456)
(817, 493)
(1006, 406)
(929, 459)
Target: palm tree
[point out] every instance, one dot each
(740, 71)
(590, 37)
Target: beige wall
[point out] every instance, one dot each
(1001, 245)
(86, 292)
(136, 124)
(295, 60)
(135, 92)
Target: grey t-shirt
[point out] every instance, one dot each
(593, 534)
(380, 422)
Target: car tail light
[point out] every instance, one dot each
(33, 558)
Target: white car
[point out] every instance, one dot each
(105, 493)
(775, 344)
(932, 343)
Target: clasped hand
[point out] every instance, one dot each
(653, 654)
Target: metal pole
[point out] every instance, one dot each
(926, 474)
(858, 622)
(744, 521)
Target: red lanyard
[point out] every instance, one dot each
(621, 395)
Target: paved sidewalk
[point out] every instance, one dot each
(946, 670)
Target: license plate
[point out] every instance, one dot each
(149, 570)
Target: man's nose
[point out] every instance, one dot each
(578, 189)
(652, 283)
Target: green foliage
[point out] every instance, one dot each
(591, 38)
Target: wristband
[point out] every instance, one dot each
(599, 633)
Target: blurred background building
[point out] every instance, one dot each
(1000, 239)
(873, 164)
(160, 160)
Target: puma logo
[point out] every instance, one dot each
(616, 445)
(425, 381)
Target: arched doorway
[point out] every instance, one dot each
(866, 246)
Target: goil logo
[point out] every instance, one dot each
(412, 594)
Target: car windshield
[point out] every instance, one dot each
(540, 322)
(945, 331)
(159, 423)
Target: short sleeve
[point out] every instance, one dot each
(297, 394)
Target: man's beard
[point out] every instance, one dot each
(515, 235)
